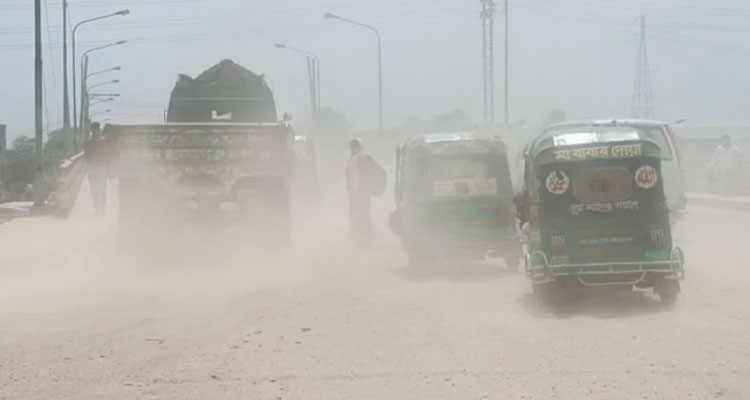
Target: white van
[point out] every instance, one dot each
(672, 167)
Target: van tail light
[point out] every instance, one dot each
(676, 145)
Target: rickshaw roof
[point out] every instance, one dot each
(599, 137)
(434, 142)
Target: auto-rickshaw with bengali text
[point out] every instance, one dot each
(594, 213)
(454, 200)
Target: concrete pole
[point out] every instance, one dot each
(38, 99)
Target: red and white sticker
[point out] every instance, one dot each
(646, 177)
(557, 182)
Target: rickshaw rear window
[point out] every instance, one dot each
(459, 168)
(575, 138)
(462, 176)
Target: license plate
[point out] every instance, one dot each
(190, 154)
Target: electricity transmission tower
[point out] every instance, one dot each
(643, 96)
(488, 58)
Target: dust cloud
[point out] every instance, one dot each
(99, 307)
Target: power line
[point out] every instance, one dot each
(23, 7)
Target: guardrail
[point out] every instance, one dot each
(697, 153)
(734, 203)
(67, 183)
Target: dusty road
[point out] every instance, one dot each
(78, 320)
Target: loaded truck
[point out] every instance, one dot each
(222, 156)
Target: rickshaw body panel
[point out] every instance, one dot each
(466, 217)
(598, 216)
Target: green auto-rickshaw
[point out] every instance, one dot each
(595, 214)
(454, 199)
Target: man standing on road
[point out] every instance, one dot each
(96, 161)
(725, 167)
(364, 179)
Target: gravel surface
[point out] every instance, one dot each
(80, 319)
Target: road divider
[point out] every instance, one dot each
(68, 179)
(737, 203)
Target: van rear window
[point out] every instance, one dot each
(658, 134)
(575, 138)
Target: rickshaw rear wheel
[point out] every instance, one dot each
(548, 293)
(513, 264)
(668, 291)
(419, 258)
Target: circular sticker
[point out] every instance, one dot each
(645, 176)
(557, 182)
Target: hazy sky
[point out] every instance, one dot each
(575, 55)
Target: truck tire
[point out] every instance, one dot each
(420, 257)
(128, 220)
(138, 226)
(266, 210)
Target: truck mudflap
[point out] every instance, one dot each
(638, 273)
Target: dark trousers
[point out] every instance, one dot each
(359, 218)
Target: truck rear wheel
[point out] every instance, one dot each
(420, 257)
(140, 222)
(130, 223)
(265, 208)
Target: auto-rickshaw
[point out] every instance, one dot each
(594, 213)
(454, 200)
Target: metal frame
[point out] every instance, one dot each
(549, 273)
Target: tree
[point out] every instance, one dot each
(454, 120)
(20, 164)
(19, 160)
(335, 129)
(451, 121)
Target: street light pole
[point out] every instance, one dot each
(73, 45)
(380, 62)
(103, 71)
(89, 103)
(102, 84)
(100, 112)
(84, 90)
(66, 100)
(315, 76)
(98, 101)
(38, 132)
(507, 101)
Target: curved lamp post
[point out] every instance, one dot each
(380, 61)
(120, 13)
(317, 70)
